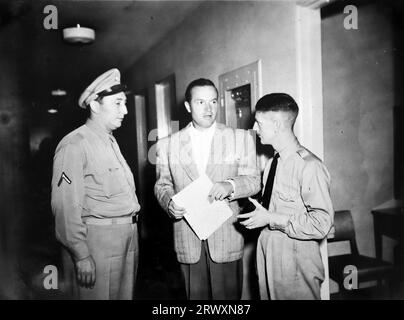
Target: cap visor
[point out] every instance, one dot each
(113, 90)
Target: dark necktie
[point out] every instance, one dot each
(266, 197)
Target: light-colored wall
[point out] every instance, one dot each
(220, 37)
(358, 80)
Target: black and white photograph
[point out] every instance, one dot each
(210, 151)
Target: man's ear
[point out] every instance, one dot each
(187, 106)
(95, 106)
(279, 125)
(280, 121)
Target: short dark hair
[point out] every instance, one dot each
(277, 102)
(201, 82)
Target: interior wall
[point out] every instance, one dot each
(13, 155)
(358, 84)
(213, 40)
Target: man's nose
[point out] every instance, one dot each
(255, 127)
(124, 110)
(208, 106)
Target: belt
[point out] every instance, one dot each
(110, 221)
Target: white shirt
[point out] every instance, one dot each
(201, 141)
(201, 144)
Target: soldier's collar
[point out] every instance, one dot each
(99, 131)
(288, 147)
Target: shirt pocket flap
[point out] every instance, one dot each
(109, 179)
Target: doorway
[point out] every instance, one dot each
(165, 101)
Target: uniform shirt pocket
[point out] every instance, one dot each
(289, 196)
(108, 181)
(112, 182)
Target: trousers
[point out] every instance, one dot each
(288, 269)
(114, 249)
(208, 280)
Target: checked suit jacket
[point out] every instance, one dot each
(232, 156)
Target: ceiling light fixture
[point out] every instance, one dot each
(58, 93)
(78, 34)
(52, 110)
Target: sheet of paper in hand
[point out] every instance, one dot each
(203, 217)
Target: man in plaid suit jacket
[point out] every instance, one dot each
(212, 268)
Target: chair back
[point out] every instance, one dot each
(344, 229)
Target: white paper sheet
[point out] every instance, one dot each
(203, 217)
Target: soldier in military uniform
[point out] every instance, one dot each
(297, 216)
(94, 199)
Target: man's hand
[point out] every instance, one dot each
(175, 212)
(86, 272)
(220, 191)
(258, 218)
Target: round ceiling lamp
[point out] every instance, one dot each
(52, 110)
(58, 93)
(78, 34)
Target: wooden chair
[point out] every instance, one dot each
(368, 268)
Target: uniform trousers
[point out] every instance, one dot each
(208, 280)
(288, 269)
(114, 249)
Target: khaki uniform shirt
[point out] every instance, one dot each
(300, 203)
(90, 179)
